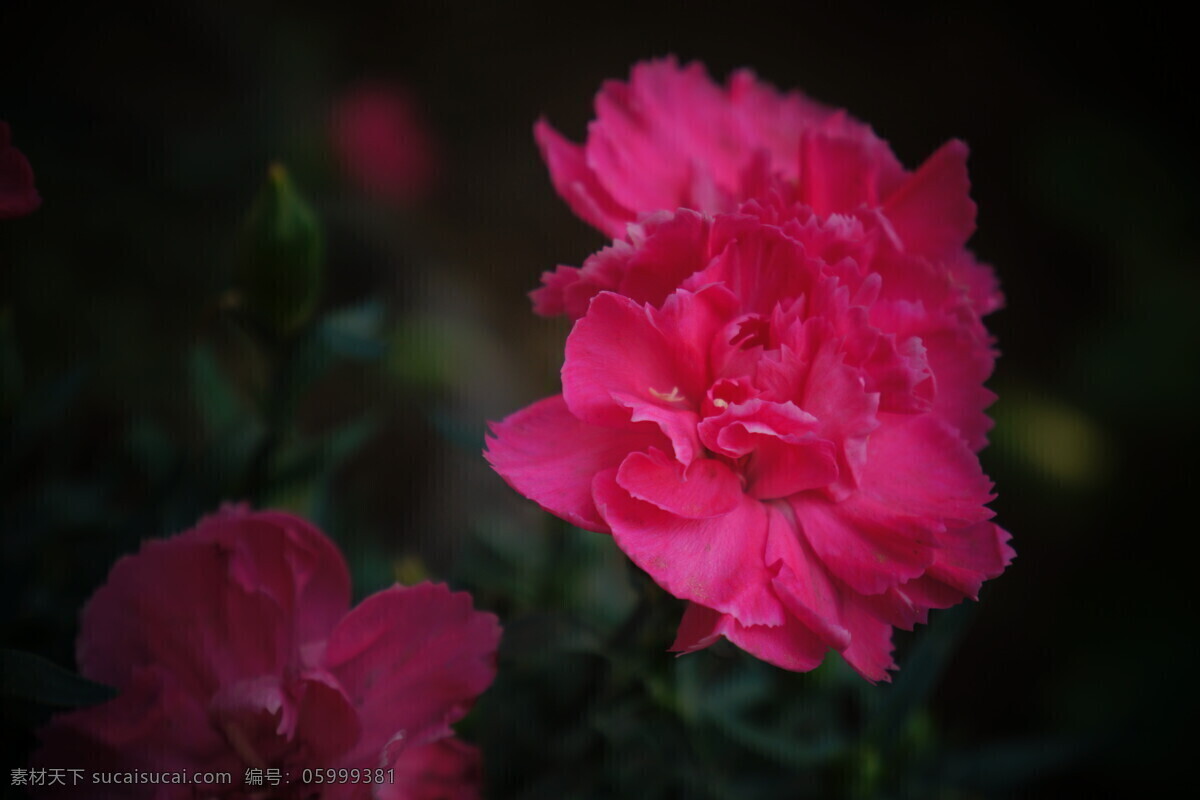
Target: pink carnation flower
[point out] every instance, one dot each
(773, 405)
(234, 647)
(671, 138)
(18, 196)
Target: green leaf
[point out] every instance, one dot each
(354, 332)
(314, 458)
(31, 677)
(216, 400)
(347, 333)
(735, 693)
(281, 256)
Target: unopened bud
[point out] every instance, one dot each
(281, 257)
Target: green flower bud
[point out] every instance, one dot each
(281, 257)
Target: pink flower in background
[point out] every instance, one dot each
(18, 196)
(383, 143)
(773, 396)
(234, 647)
(670, 138)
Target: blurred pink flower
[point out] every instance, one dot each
(670, 138)
(233, 646)
(383, 143)
(18, 196)
(772, 396)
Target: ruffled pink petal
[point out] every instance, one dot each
(717, 562)
(267, 721)
(259, 588)
(899, 371)
(932, 210)
(759, 264)
(552, 298)
(678, 425)
(257, 717)
(959, 355)
(447, 769)
(836, 174)
(702, 490)
(961, 362)
(155, 724)
(577, 184)
(668, 248)
(801, 580)
(773, 119)
(968, 556)
(738, 430)
(786, 456)
(861, 546)
(310, 582)
(569, 290)
(789, 645)
(697, 629)
(907, 277)
(784, 466)
(870, 650)
(126, 626)
(889, 172)
(550, 456)
(326, 721)
(919, 467)
(979, 281)
(656, 356)
(654, 135)
(412, 660)
(835, 393)
(838, 614)
(656, 256)
(906, 605)
(671, 137)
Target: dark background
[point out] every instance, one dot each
(150, 127)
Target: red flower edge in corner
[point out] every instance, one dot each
(18, 196)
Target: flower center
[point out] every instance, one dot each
(753, 331)
(672, 396)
